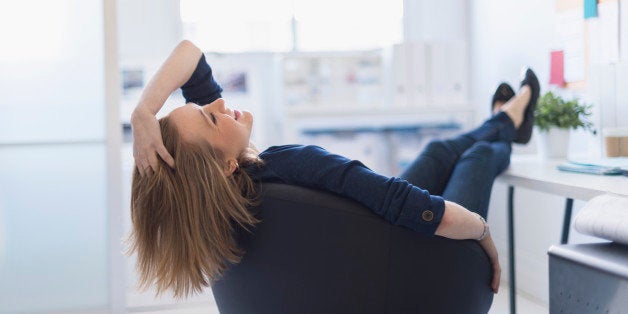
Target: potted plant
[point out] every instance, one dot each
(554, 117)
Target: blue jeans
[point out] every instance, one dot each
(463, 169)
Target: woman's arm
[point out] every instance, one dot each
(174, 72)
(460, 223)
(394, 199)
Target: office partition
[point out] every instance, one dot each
(55, 173)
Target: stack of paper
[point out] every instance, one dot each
(600, 166)
(605, 216)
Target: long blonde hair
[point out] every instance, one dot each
(183, 218)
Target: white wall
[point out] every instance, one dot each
(148, 31)
(504, 36)
(148, 28)
(440, 20)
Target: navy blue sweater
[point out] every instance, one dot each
(394, 199)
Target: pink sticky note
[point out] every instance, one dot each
(557, 66)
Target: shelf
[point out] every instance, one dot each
(315, 110)
(353, 118)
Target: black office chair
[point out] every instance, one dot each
(316, 252)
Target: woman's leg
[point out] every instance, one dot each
(472, 178)
(432, 169)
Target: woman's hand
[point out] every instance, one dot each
(147, 142)
(459, 223)
(489, 247)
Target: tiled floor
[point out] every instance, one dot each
(501, 303)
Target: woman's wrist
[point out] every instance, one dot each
(485, 228)
(173, 73)
(140, 113)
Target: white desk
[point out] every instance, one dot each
(532, 173)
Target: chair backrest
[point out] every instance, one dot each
(315, 252)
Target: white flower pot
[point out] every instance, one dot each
(553, 143)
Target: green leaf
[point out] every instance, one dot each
(553, 111)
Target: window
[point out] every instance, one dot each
(284, 25)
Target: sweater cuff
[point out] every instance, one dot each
(201, 88)
(422, 213)
(431, 217)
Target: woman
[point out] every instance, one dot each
(192, 186)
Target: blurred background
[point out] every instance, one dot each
(373, 80)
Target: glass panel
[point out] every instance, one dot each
(53, 237)
(53, 204)
(51, 71)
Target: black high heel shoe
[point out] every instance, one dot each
(503, 93)
(524, 133)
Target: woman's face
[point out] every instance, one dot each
(225, 129)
